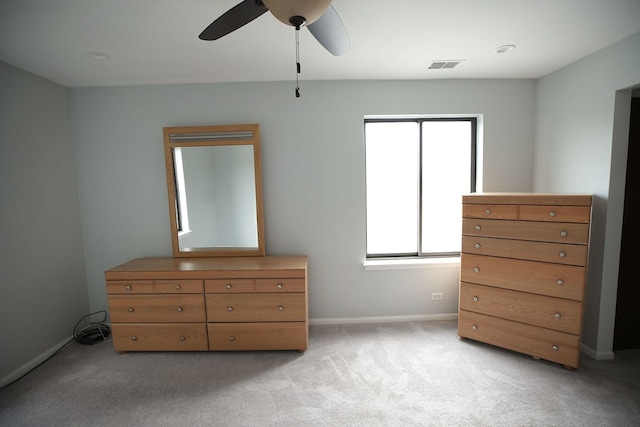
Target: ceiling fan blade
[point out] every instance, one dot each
(330, 32)
(239, 15)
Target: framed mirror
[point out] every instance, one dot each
(214, 183)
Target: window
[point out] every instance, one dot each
(416, 173)
(182, 211)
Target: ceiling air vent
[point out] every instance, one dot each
(441, 65)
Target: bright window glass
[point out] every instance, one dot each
(446, 175)
(393, 172)
(416, 173)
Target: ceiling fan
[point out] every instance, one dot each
(318, 16)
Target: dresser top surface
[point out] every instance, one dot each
(529, 199)
(196, 266)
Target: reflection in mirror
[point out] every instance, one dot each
(219, 183)
(214, 187)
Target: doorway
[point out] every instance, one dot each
(626, 333)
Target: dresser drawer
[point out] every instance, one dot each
(228, 286)
(490, 211)
(160, 337)
(560, 281)
(528, 250)
(254, 285)
(581, 214)
(281, 285)
(528, 199)
(157, 308)
(258, 336)
(570, 233)
(154, 286)
(544, 343)
(129, 287)
(553, 313)
(178, 286)
(261, 307)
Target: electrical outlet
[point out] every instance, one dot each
(436, 296)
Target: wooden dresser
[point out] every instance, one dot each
(523, 272)
(200, 304)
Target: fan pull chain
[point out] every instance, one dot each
(297, 60)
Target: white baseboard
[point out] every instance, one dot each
(596, 355)
(14, 375)
(382, 319)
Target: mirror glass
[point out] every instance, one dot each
(214, 188)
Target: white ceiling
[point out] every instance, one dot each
(156, 41)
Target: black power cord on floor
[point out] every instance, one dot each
(93, 333)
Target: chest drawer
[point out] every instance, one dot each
(580, 214)
(490, 211)
(154, 286)
(570, 233)
(528, 250)
(560, 281)
(254, 285)
(553, 313)
(157, 308)
(258, 336)
(258, 307)
(546, 344)
(160, 337)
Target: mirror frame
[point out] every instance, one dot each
(210, 136)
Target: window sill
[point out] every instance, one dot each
(407, 263)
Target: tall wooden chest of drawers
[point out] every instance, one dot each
(523, 272)
(200, 304)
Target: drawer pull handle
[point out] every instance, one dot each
(563, 254)
(557, 315)
(475, 299)
(178, 287)
(128, 287)
(488, 211)
(232, 338)
(280, 308)
(476, 269)
(478, 228)
(134, 338)
(563, 233)
(552, 214)
(179, 309)
(229, 308)
(182, 338)
(555, 348)
(280, 285)
(228, 285)
(474, 327)
(560, 282)
(478, 245)
(131, 310)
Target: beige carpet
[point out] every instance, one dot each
(393, 374)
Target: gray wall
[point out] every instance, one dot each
(582, 130)
(43, 289)
(313, 175)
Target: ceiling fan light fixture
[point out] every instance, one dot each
(297, 21)
(284, 10)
